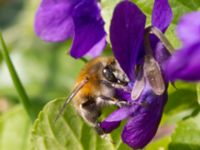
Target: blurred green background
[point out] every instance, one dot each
(45, 69)
(47, 73)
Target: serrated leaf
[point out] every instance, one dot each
(14, 129)
(69, 132)
(187, 134)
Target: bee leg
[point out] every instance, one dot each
(98, 129)
(119, 86)
(104, 100)
(90, 112)
(119, 103)
(115, 85)
(102, 134)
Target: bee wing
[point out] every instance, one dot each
(72, 95)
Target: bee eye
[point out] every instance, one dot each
(108, 74)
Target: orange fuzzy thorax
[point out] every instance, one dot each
(92, 70)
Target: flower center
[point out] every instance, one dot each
(150, 71)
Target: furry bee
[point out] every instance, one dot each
(95, 89)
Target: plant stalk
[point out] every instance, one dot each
(16, 81)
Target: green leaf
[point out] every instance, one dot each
(159, 144)
(182, 101)
(69, 132)
(15, 129)
(187, 134)
(183, 97)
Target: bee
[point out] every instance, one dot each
(95, 88)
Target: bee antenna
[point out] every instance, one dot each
(74, 92)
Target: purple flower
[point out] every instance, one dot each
(185, 64)
(59, 20)
(143, 120)
(127, 34)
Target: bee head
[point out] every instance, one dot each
(112, 72)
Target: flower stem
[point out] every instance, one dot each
(83, 59)
(17, 83)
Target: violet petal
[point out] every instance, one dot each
(114, 119)
(161, 18)
(97, 49)
(184, 64)
(118, 115)
(124, 95)
(126, 35)
(161, 54)
(141, 128)
(53, 21)
(89, 28)
(162, 14)
(109, 126)
(188, 29)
